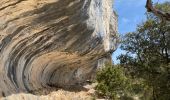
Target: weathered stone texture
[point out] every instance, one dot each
(46, 43)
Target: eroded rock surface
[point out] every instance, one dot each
(53, 43)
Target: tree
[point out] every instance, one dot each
(148, 55)
(157, 12)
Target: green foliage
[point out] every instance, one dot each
(148, 56)
(112, 82)
(165, 7)
(146, 63)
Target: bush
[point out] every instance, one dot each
(112, 82)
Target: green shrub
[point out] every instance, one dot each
(112, 82)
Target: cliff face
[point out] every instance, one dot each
(53, 43)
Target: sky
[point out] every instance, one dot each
(130, 14)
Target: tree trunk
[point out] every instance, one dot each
(165, 16)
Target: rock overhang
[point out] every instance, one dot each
(53, 43)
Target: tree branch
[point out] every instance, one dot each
(161, 14)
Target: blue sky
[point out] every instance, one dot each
(130, 13)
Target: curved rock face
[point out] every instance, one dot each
(46, 43)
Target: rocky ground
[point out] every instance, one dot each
(57, 95)
(83, 94)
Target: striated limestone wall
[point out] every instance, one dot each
(53, 43)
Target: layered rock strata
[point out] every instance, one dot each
(53, 43)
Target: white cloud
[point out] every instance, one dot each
(125, 20)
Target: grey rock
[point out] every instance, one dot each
(53, 43)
